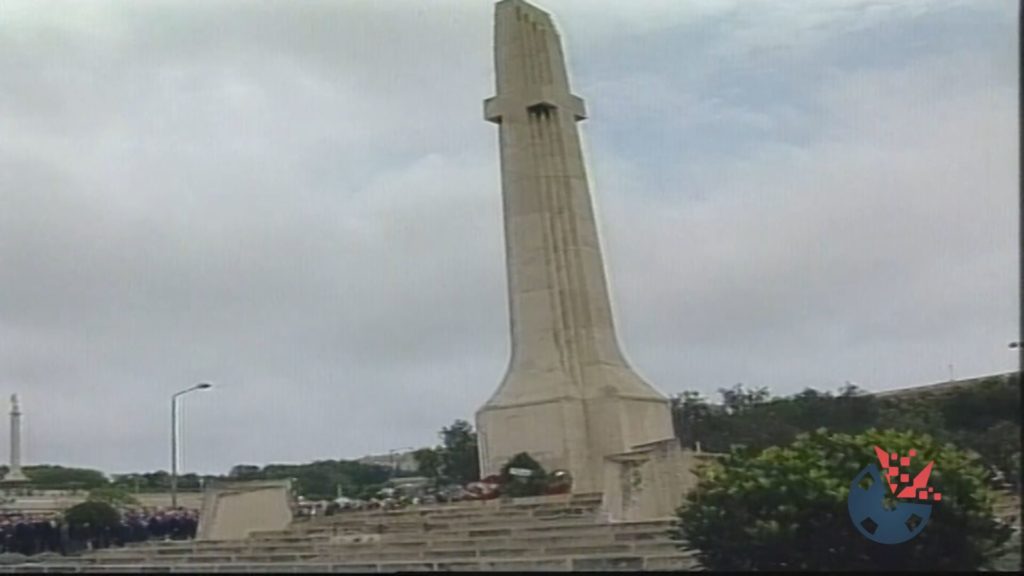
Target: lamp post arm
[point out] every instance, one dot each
(174, 450)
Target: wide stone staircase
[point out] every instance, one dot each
(528, 534)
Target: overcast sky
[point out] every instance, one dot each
(300, 202)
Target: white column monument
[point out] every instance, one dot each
(569, 397)
(15, 474)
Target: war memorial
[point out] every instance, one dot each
(569, 397)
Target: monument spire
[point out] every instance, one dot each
(15, 474)
(569, 397)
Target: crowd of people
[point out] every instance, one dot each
(30, 535)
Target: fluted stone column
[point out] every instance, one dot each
(569, 397)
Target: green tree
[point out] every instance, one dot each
(691, 416)
(983, 405)
(785, 508)
(914, 413)
(97, 515)
(428, 463)
(60, 477)
(159, 481)
(320, 480)
(127, 482)
(744, 418)
(984, 417)
(739, 399)
(460, 458)
(115, 496)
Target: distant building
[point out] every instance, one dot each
(400, 461)
(944, 387)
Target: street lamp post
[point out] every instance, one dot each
(174, 438)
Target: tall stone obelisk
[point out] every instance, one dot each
(569, 397)
(15, 474)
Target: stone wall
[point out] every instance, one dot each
(649, 482)
(232, 510)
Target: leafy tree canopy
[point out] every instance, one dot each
(428, 462)
(460, 457)
(62, 478)
(456, 460)
(321, 480)
(784, 508)
(116, 497)
(984, 417)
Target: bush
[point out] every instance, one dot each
(785, 509)
(96, 515)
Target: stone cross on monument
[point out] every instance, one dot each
(569, 398)
(15, 474)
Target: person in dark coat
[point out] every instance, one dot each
(53, 542)
(23, 537)
(65, 538)
(44, 536)
(193, 525)
(174, 526)
(6, 536)
(158, 526)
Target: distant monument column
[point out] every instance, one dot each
(15, 474)
(569, 397)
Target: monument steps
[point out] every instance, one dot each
(549, 523)
(609, 533)
(507, 542)
(562, 548)
(390, 547)
(598, 562)
(536, 532)
(548, 533)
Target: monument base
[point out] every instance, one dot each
(14, 478)
(570, 432)
(234, 510)
(649, 482)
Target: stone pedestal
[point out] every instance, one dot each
(649, 482)
(233, 510)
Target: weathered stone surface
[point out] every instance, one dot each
(650, 481)
(569, 397)
(609, 563)
(233, 510)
